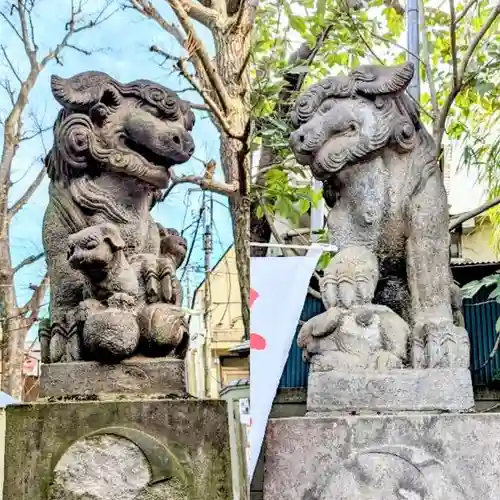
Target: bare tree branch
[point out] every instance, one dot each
(27, 261)
(204, 183)
(11, 66)
(201, 107)
(210, 105)
(32, 307)
(72, 28)
(199, 12)
(11, 24)
(195, 47)
(473, 213)
(19, 204)
(147, 10)
(221, 118)
(31, 135)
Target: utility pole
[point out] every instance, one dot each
(207, 315)
(413, 46)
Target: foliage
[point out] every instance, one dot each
(459, 73)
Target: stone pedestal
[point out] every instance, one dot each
(403, 434)
(390, 392)
(142, 376)
(389, 457)
(125, 432)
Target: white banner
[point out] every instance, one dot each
(277, 295)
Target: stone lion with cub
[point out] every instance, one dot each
(361, 136)
(114, 292)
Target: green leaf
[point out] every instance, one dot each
(324, 260)
(259, 212)
(497, 325)
(303, 206)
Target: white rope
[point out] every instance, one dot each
(325, 247)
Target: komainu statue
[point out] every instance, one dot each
(361, 136)
(114, 290)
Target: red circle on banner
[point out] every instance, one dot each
(253, 296)
(257, 342)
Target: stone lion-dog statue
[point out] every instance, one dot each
(114, 144)
(361, 136)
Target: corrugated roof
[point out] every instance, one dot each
(464, 263)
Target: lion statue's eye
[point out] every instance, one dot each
(90, 245)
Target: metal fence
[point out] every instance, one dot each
(480, 316)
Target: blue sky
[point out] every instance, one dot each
(123, 53)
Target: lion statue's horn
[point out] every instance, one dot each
(81, 91)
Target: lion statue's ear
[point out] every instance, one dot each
(111, 235)
(81, 92)
(382, 80)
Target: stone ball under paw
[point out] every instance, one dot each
(111, 335)
(163, 329)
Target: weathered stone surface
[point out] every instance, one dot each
(132, 376)
(353, 333)
(88, 449)
(411, 457)
(107, 260)
(361, 136)
(102, 467)
(390, 391)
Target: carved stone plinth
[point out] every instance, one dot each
(389, 392)
(126, 450)
(141, 376)
(389, 457)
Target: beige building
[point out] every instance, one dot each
(473, 242)
(211, 363)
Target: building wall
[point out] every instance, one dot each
(209, 353)
(477, 245)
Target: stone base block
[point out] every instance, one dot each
(387, 457)
(141, 376)
(390, 392)
(126, 450)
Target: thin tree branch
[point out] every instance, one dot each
(147, 10)
(27, 42)
(450, 98)
(199, 12)
(28, 137)
(196, 47)
(11, 24)
(72, 29)
(214, 108)
(473, 213)
(462, 14)
(453, 43)
(201, 107)
(204, 183)
(27, 261)
(11, 66)
(426, 55)
(32, 307)
(19, 204)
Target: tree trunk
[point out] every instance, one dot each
(13, 322)
(234, 152)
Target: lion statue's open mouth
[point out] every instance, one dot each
(140, 129)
